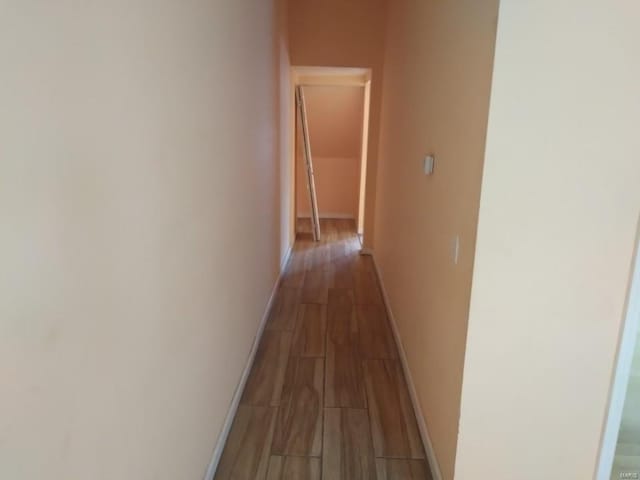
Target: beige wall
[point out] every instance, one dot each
(337, 33)
(436, 96)
(139, 235)
(334, 117)
(558, 219)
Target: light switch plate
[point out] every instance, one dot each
(428, 165)
(455, 249)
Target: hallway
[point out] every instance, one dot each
(326, 397)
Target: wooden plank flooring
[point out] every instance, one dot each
(299, 425)
(310, 331)
(376, 338)
(285, 309)
(393, 469)
(326, 397)
(264, 385)
(294, 468)
(394, 429)
(348, 451)
(344, 376)
(247, 452)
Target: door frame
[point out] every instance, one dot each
(338, 76)
(620, 380)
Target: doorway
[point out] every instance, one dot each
(620, 452)
(337, 110)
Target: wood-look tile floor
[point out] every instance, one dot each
(326, 397)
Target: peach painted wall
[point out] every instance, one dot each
(557, 230)
(436, 96)
(337, 33)
(130, 291)
(334, 115)
(337, 181)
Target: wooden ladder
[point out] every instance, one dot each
(311, 183)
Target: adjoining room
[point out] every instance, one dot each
(336, 106)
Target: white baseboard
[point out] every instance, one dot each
(346, 216)
(284, 261)
(422, 424)
(237, 395)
